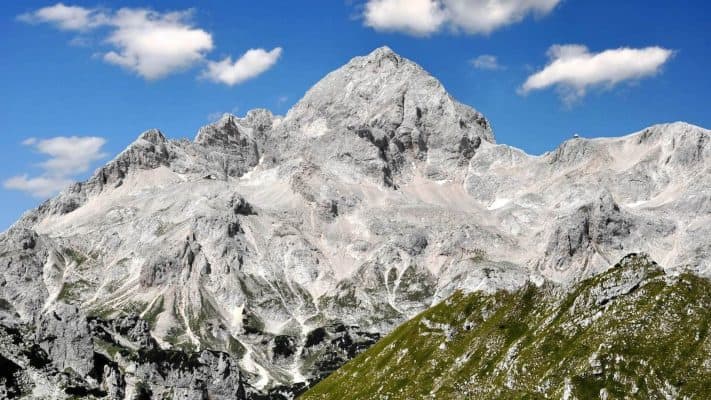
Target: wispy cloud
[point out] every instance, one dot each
(215, 116)
(486, 62)
(573, 69)
(39, 186)
(67, 158)
(425, 17)
(152, 44)
(68, 18)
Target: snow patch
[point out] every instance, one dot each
(498, 203)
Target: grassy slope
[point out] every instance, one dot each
(647, 341)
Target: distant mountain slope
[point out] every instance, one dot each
(630, 332)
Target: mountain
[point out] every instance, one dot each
(630, 332)
(286, 245)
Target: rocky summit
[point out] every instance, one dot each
(256, 259)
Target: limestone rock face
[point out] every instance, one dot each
(29, 270)
(230, 143)
(599, 224)
(380, 114)
(65, 337)
(375, 197)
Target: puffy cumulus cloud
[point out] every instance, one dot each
(573, 69)
(485, 16)
(249, 65)
(486, 62)
(416, 17)
(424, 17)
(150, 43)
(70, 18)
(153, 44)
(67, 158)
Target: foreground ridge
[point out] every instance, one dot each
(615, 335)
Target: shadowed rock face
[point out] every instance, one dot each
(69, 355)
(376, 196)
(598, 224)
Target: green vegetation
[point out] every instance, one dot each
(177, 334)
(103, 312)
(201, 321)
(476, 255)
(72, 291)
(151, 315)
(174, 337)
(111, 349)
(631, 332)
(133, 307)
(162, 229)
(235, 348)
(74, 255)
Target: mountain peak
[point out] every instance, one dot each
(381, 53)
(397, 106)
(154, 136)
(384, 60)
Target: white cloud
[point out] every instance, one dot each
(68, 157)
(40, 186)
(424, 17)
(69, 18)
(486, 62)
(251, 64)
(150, 43)
(485, 16)
(153, 44)
(416, 17)
(573, 69)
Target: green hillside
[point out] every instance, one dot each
(631, 332)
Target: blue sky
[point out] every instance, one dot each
(94, 70)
